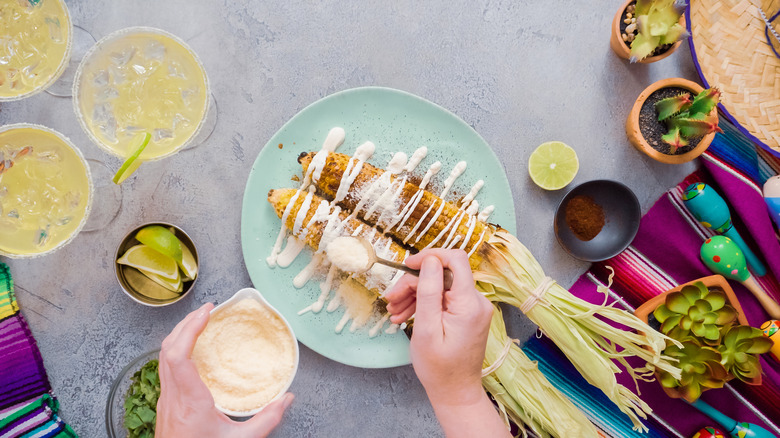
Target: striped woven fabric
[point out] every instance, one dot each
(665, 253)
(27, 409)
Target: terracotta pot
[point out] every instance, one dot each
(635, 134)
(644, 311)
(622, 49)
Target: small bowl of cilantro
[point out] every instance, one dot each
(131, 410)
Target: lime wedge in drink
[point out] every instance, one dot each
(132, 163)
(553, 165)
(188, 264)
(162, 240)
(147, 259)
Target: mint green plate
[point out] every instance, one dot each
(394, 121)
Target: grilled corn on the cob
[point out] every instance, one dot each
(397, 206)
(315, 222)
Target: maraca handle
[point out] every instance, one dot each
(750, 257)
(770, 306)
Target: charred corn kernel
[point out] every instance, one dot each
(411, 215)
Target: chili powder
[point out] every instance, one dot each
(584, 217)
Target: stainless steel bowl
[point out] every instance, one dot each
(122, 271)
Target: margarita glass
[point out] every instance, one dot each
(45, 190)
(141, 80)
(35, 44)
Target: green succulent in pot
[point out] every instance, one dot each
(695, 311)
(701, 369)
(739, 350)
(657, 24)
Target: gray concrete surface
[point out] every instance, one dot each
(519, 72)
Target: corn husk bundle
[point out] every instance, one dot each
(522, 392)
(583, 331)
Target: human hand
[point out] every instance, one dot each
(450, 327)
(185, 407)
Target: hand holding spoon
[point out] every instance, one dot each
(724, 257)
(357, 255)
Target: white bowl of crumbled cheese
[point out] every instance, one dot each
(247, 355)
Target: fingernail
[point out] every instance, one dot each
(288, 399)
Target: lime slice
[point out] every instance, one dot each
(188, 264)
(146, 287)
(553, 165)
(147, 259)
(162, 240)
(172, 285)
(132, 163)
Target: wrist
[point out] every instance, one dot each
(464, 396)
(478, 417)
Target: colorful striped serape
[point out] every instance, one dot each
(27, 409)
(665, 253)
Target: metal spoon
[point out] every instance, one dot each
(373, 258)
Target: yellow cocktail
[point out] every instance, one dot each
(35, 39)
(45, 190)
(141, 80)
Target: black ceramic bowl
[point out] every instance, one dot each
(621, 213)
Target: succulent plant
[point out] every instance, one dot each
(695, 310)
(701, 369)
(739, 349)
(686, 119)
(657, 24)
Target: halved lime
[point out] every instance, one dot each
(132, 163)
(162, 240)
(553, 165)
(147, 259)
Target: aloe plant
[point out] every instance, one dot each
(701, 369)
(739, 349)
(695, 310)
(686, 119)
(657, 24)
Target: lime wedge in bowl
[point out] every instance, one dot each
(188, 265)
(147, 259)
(132, 163)
(162, 240)
(553, 165)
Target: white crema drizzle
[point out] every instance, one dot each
(381, 196)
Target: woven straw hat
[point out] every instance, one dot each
(733, 50)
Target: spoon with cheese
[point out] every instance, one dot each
(357, 255)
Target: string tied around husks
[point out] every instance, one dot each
(537, 294)
(501, 357)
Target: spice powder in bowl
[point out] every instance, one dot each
(584, 217)
(245, 356)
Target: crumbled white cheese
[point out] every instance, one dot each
(348, 254)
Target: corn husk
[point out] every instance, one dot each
(583, 331)
(524, 394)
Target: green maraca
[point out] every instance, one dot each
(724, 257)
